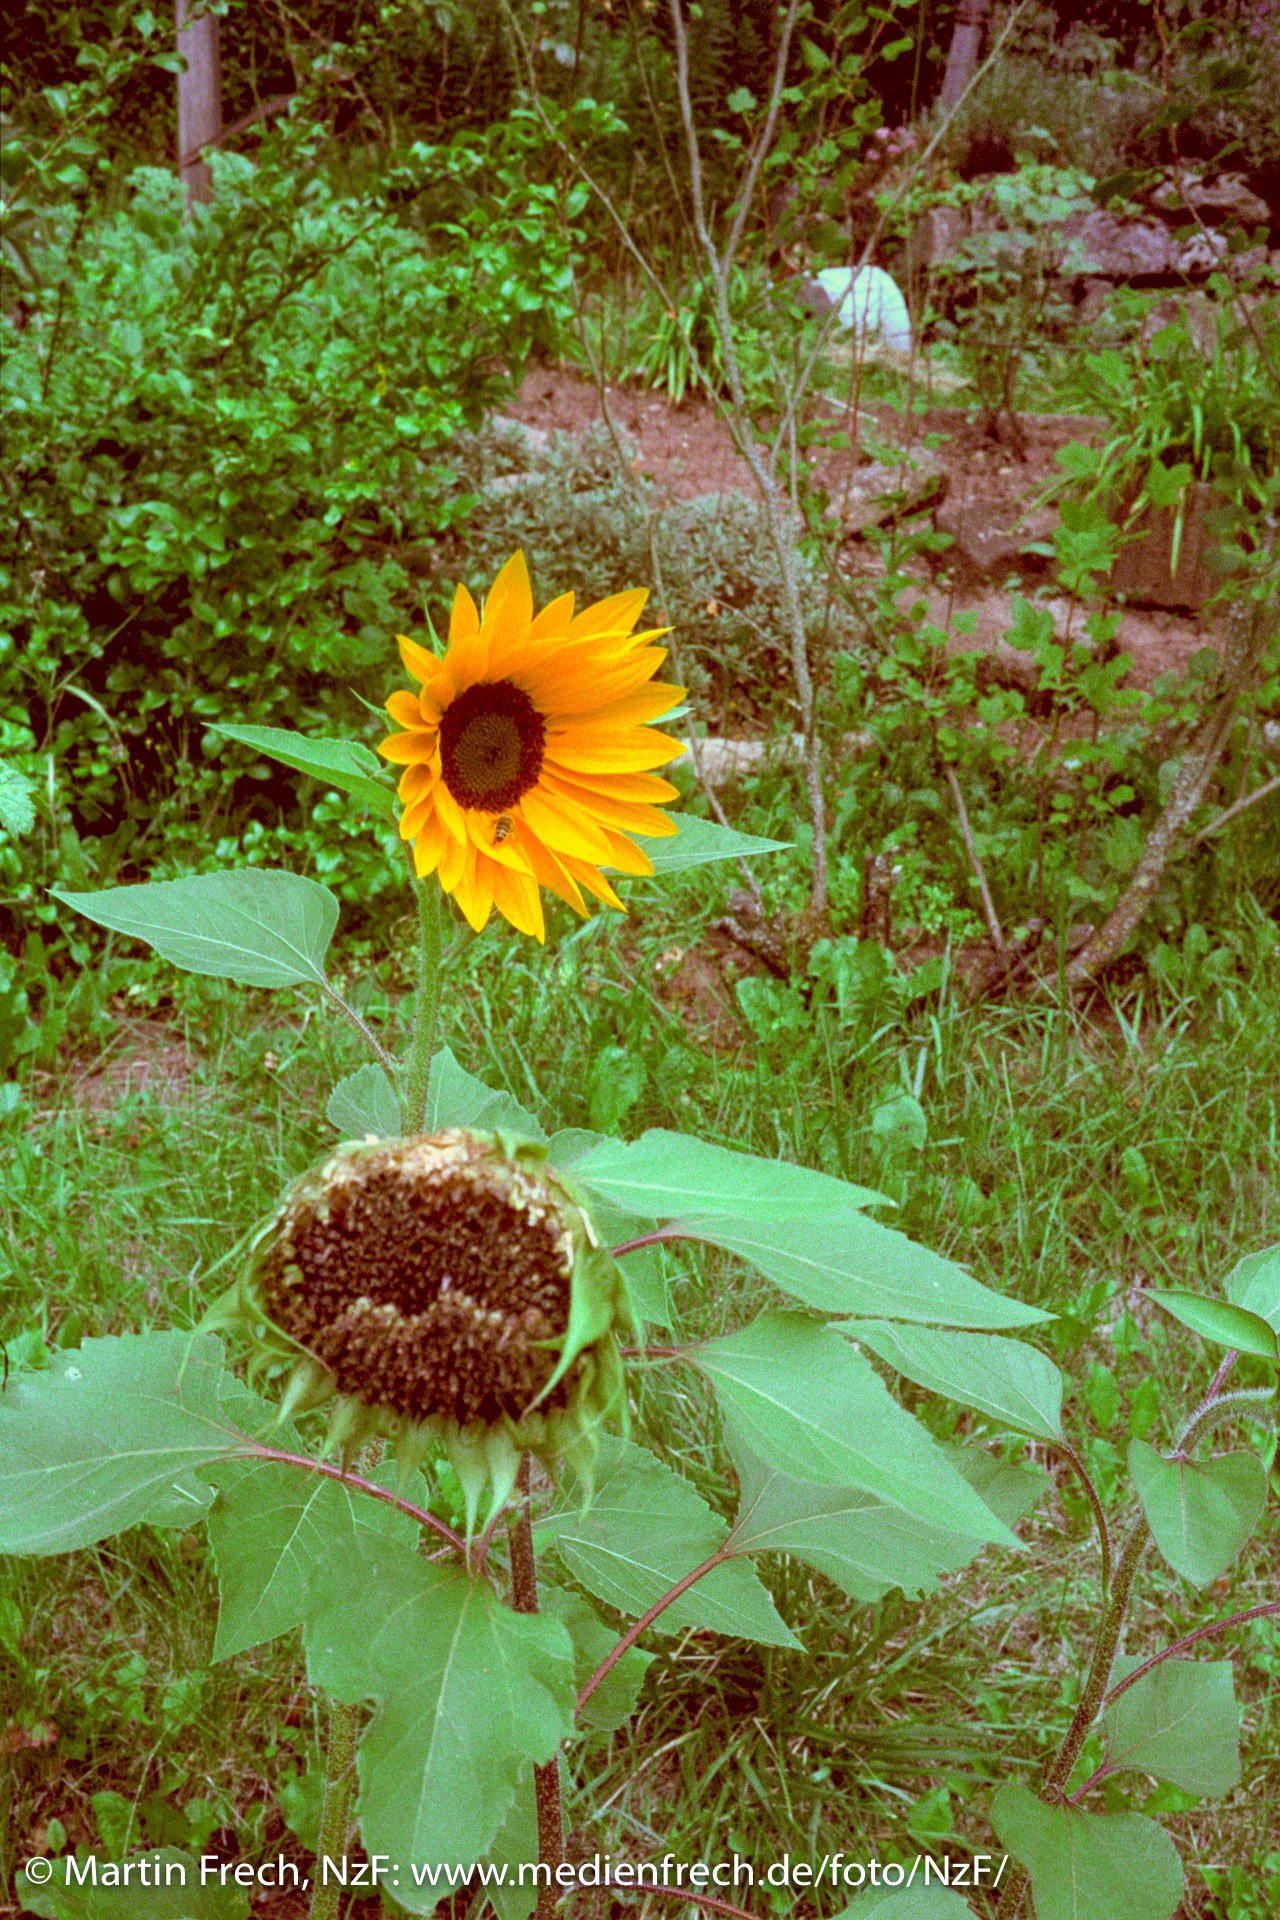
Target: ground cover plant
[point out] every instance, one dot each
(781, 1377)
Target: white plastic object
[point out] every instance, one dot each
(868, 304)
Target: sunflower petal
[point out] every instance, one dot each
(420, 662)
(516, 897)
(549, 870)
(403, 706)
(595, 882)
(587, 749)
(408, 749)
(565, 828)
(617, 614)
(622, 815)
(554, 620)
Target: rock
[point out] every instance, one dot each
(731, 759)
(986, 541)
(1201, 254)
(511, 482)
(1119, 248)
(878, 492)
(935, 237)
(1226, 201)
(1195, 311)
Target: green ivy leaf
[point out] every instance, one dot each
(455, 1098)
(699, 842)
(466, 1692)
(643, 1530)
(91, 1444)
(614, 1700)
(365, 1102)
(1012, 1383)
(1089, 1866)
(272, 1529)
(259, 926)
(1179, 1723)
(63, 1900)
(863, 1545)
(1200, 1513)
(800, 1398)
(346, 764)
(1227, 1325)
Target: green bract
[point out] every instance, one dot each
(447, 1291)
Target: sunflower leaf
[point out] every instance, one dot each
(1179, 1723)
(271, 1527)
(346, 764)
(466, 1693)
(1200, 1512)
(798, 1396)
(108, 1435)
(1089, 1866)
(1012, 1383)
(259, 926)
(1226, 1324)
(455, 1098)
(174, 1892)
(644, 1529)
(662, 1175)
(364, 1103)
(698, 843)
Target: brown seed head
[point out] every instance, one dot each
(430, 1276)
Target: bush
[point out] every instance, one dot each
(223, 432)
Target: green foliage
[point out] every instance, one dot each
(1179, 1723)
(1084, 1865)
(437, 1651)
(167, 1880)
(224, 431)
(1200, 1513)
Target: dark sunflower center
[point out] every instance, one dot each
(430, 1289)
(491, 742)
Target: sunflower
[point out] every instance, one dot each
(527, 756)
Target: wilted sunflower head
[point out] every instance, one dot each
(527, 756)
(446, 1290)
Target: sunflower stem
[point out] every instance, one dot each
(339, 1781)
(546, 1780)
(427, 1013)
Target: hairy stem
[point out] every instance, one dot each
(427, 1013)
(366, 1032)
(339, 1790)
(546, 1780)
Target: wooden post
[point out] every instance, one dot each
(199, 98)
(966, 45)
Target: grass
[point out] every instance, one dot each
(1070, 1159)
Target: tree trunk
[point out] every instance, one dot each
(199, 99)
(966, 45)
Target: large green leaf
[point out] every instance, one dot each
(907, 1903)
(855, 1266)
(1254, 1286)
(614, 1700)
(106, 1434)
(799, 1397)
(698, 842)
(455, 1098)
(664, 1175)
(1010, 1488)
(863, 1545)
(365, 1103)
(347, 764)
(642, 1531)
(162, 1873)
(259, 926)
(466, 1693)
(1180, 1723)
(273, 1529)
(1015, 1385)
(514, 1845)
(1227, 1325)
(1200, 1512)
(1089, 1866)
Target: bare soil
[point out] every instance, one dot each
(687, 451)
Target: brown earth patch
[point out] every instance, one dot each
(988, 492)
(143, 1057)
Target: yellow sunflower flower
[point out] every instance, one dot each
(527, 754)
